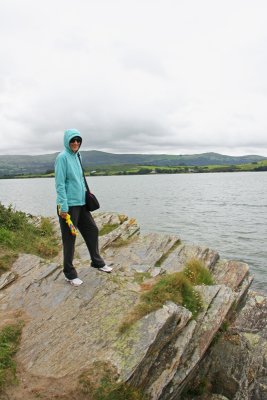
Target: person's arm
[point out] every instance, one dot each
(60, 179)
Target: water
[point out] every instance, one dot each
(226, 211)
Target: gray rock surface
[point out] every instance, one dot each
(236, 366)
(6, 279)
(217, 302)
(69, 329)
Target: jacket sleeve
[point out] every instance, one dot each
(60, 178)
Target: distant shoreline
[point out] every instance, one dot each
(127, 170)
(99, 163)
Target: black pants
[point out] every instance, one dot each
(84, 221)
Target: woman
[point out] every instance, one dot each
(70, 189)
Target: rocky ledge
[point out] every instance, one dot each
(69, 331)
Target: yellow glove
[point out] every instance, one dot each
(73, 230)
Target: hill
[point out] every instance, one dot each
(11, 165)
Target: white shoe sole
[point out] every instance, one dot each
(106, 269)
(74, 283)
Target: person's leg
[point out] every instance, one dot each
(68, 241)
(89, 232)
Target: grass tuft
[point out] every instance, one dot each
(101, 383)
(107, 228)
(9, 341)
(109, 390)
(7, 258)
(177, 287)
(173, 287)
(197, 273)
(18, 233)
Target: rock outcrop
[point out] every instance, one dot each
(235, 366)
(69, 330)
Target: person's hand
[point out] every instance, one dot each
(63, 215)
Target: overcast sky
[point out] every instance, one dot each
(143, 76)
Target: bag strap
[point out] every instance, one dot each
(85, 181)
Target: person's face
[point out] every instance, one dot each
(75, 144)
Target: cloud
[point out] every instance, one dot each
(151, 76)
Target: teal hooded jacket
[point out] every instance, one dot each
(69, 179)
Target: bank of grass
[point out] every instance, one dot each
(177, 287)
(20, 233)
(9, 342)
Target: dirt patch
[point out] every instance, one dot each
(30, 387)
(11, 317)
(78, 387)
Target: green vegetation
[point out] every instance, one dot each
(9, 341)
(177, 287)
(135, 169)
(109, 390)
(107, 228)
(101, 163)
(224, 326)
(167, 168)
(197, 273)
(21, 233)
(100, 383)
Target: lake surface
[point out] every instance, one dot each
(224, 211)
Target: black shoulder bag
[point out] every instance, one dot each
(91, 201)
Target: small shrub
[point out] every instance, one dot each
(9, 341)
(46, 227)
(166, 289)
(197, 273)
(11, 219)
(19, 234)
(7, 257)
(6, 237)
(46, 249)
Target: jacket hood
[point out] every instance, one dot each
(68, 135)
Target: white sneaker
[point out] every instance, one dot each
(75, 281)
(106, 269)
